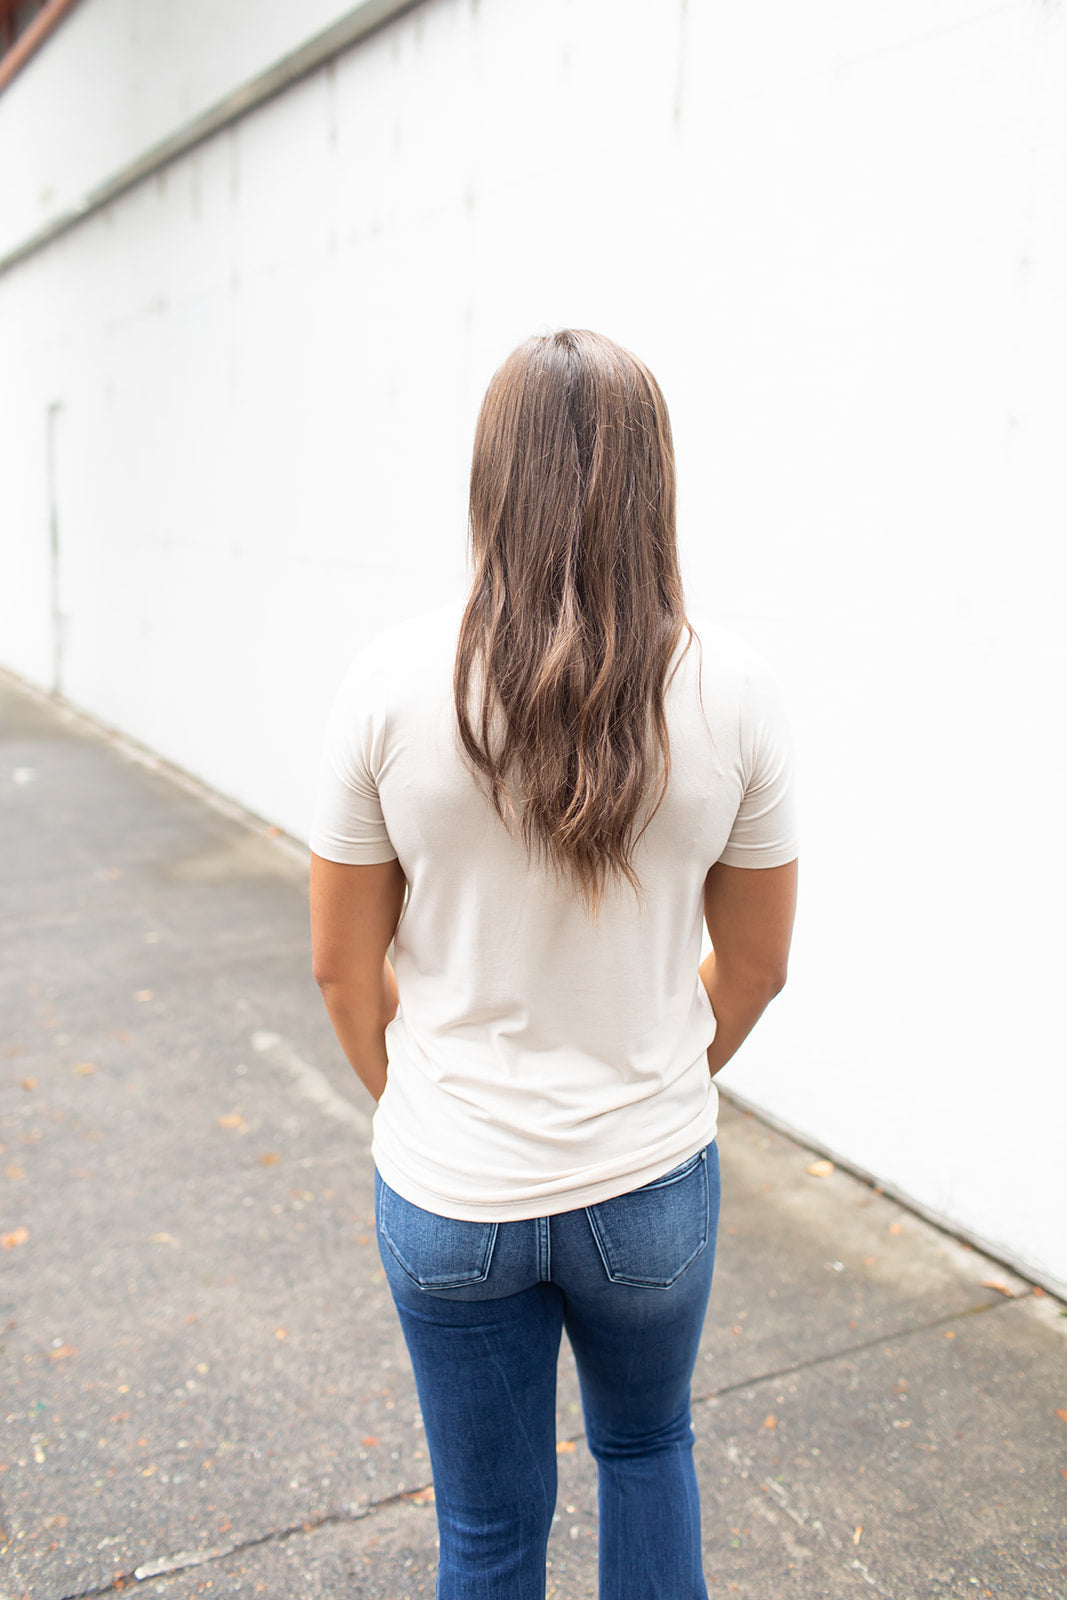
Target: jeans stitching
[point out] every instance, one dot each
(675, 1175)
(425, 1284)
(652, 1283)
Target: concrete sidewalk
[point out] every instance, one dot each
(204, 1389)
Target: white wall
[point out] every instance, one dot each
(128, 74)
(836, 233)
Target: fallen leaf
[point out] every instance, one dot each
(84, 1068)
(820, 1169)
(370, 1441)
(770, 1421)
(233, 1119)
(950, 1334)
(16, 1236)
(163, 1238)
(269, 1158)
(281, 1334)
(1001, 1288)
(896, 1227)
(565, 1447)
(1062, 1414)
(858, 1534)
(62, 1352)
(15, 1172)
(29, 1083)
(422, 1497)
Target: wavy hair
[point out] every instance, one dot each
(576, 606)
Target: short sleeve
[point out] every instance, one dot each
(349, 826)
(765, 832)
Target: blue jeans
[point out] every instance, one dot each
(482, 1306)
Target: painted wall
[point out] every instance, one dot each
(836, 233)
(126, 75)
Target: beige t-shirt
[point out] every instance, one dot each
(540, 1061)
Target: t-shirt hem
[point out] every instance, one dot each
(739, 856)
(355, 855)
(541, 1204)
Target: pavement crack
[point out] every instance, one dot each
(827, 1356)
(166, 1566)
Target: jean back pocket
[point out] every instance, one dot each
(435, 1252)
(648, 1237)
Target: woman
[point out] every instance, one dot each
(537, 795)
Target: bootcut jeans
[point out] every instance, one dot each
(482, 1306)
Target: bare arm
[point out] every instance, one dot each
(354, 913)
(749, 913)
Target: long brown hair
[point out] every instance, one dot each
(576, 604)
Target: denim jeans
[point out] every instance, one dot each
(482, 1306)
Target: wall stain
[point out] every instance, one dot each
(679, 82)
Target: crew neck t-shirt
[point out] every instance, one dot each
(541, 1061)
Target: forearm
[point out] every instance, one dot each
(360, 1016)
(738, 1003)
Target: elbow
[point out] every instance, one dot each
(324, 976)
(768, 982)
(776, 981)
